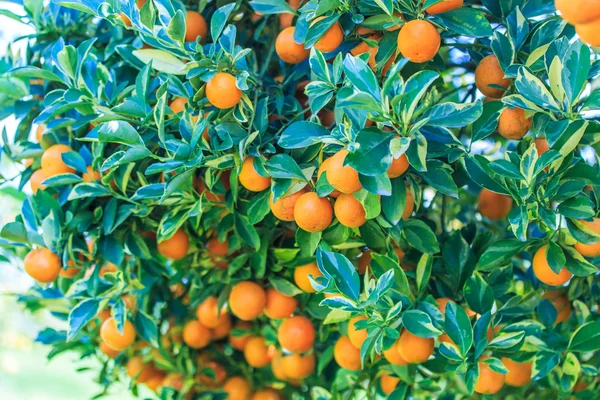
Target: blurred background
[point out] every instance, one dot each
(25, 371)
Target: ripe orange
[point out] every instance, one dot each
(346, 355)
(363, 47)
(39, 132)
(110, 353)
(176, 247)
(296, 366)
(237, 388)
(296, 334)
(373, 64)
(139, 370)
(238, 341)
(257, 353)
(283, 208)
(519, 374)
(113, 338)
(42, 265)
(247, 300)
(223, 329)
(349, 211)
(544, 273)
(196, 335)
(398, 167)
(324, 168)
(343, 178)
(590, 250)
(489, 72)
(513, 125)
(266, 394)
(279, 305)
(444, 6)
(173, 380)
(250, 178)
(489, 381)
(208, 313)
(52, 163)
(222, 92)
(331, 39)
(91, 175)
(215, 379)
(177, 105)
(388, 383)
(589, 33)
(302, 273)
(414, 349)
(37, 177)
(578, 12)
(217, 248)
(561, 303)
(541, 145)
(419, 41)
(313, 213)
(277, 366)
(392, 355)
(70, 271)
(494, 206)
(287, 49)
(409, 204)
(286, 19)
(195, 26)
(356, 336)
(442, 302)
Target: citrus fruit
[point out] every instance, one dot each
(247, 300)
(578, 12)
(512, 123)
(52, 162)
(222, 92)
(250, 178)
(42, 265)
(256, 352)
(392, 355)
(488, 73)
(349, 211)
(237, 388)
(283, 208)
(113, 338)
(343, 178)
(356, 336)
(346, 355)
(296, 334)
(419, 41)
(279, 305)
(288, 49)
(544, 273)
(519, 374)
(443, 6)
(240, 335)
(175, 247)
(398, 167)
(414, 349)
(302, 273)
(332, 38)
(208, 312)
(313, 213)
(561, 303)
(296, 366)
(494, 206)
(388, 383)
(489, 381)
(593, 249)
(217, 248)
(195, 26)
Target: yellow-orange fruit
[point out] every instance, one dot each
(494, 206)
(247, 300)
(578, 11)
(52, 163)
(37, 177)
(561, 303)
(139, 370)
(409, 205)
(239, 341)
(237, 388)
(176, 247)
(590, 250)
(195, 26)
(414, 349)
(214, 379)
(349, 211)
(177, 105)
(266, 394)
(217, 248)
(513, 125)
(331, 39)
(398, 167)
(544, 273)
(296, 366)
(541, 145)
(42, 265)
(356, 336)
(324, 167)
(489, 381)
(256, 352)
(222, 92)
(313, 213)
(277, 366)
(279, 305)
(286, 19)
(283, 208)
(392, 355)
(223, 329)
(343, 178)
(346, 355)
(196, 335)
(296, 334)
(110, 353)
(388, 383)
(250, 179)
(589, 33)
(302, 273)
(91, 175)
(519, 374)
(287, 49)
(443, 6)
(113, 338)
(208, 313)
(39, 132)
(489, 72)
(419, 41)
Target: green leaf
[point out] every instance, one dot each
(466, 21)
(337, 267)
(586, 338)
(454, 115)
(119, 132)
(373, 155)
(284, 286)
(500, 253)
(478, 294)
(146, 327)
(161, 60)
(419, 324)
(246, 231)
(302, 134)
(458, 327)
(420, 236)
(423, 271)
(80, 315)
(533, 89)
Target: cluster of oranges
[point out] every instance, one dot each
(585, 16)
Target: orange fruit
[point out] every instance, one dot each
(110, 353)
(277, 366)
(69, 272)
(237, 388)
(196, 335)
(215, 379)
(519, 374)
(247, 300)
(217, 248)
(39, 132)
(222, 92)
(115, 339)
(313, 213)
(373, 64)
(279, 305)
(286, 19)
(590, 250)
(544, 273)
(561, 303)
(346, 355)
(388, 383)
(266, 394)
(332, 38)
(578, 11)
(513, 125)
(398, 167)
(250, 178)
(155, 381)
(489, 72)
(256, 352)
(52, 163)
(343, 178)
(409, 205)
(349, 211)
(91, 175)
(442, 302)
(296, 366)
(287, 49)
(363, 47)
(173, 380)
(176, 247)
(356, 336)
(414, 349)
(443, 6)
(324, 168)
(208, 313)
(195, 26)
(238, 341)
(494, 206)
(296, 334)
(392, 355)
(177, 105)
(489, 381)
(42, 265)
(223, 329)
(139, 370)
(419, 41)
(589, 33)
(541, 145)
(200, 187)
(302, 273)
(283, 208)
(37, 177)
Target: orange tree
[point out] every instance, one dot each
(312, 199)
